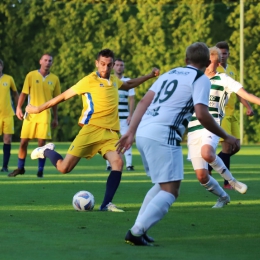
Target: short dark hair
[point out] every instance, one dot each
(198, 53)
(106, 53)
(118, 59)
(222, 45)
(1, 62)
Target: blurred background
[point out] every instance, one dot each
(143, 33)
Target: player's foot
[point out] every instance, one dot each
(4, 169)
(238, 186)
(111, 207)
(39, 152)
(222, 201)
(148, 238)
(40, 174)
(227, 187)
(130, 168)
(16, 172)
(109, 168)
(135, 240)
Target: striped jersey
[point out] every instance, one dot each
(40, 89)
(6, 86)
(221, 87)
(230, 106)
(176, 93)
(100, 101)
(123, 109)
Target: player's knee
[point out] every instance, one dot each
(208, 156)
(63, 168)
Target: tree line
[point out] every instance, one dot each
(143, 33)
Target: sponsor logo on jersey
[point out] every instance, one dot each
(114, 84)
(49, 83)
(183, 73)
(37, 81)
(153, 112)
(101, 85)
(5, 84)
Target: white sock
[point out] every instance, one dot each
(213, 186)
(148, 197)
(128, 157)
(154, 212)
(221, 168)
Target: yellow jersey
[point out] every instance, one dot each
(230, 106)
(40, 90)
(6, 105)
(100, 101)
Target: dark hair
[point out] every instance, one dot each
(1, 62)
(198, 53)
(106, 53)
(118, 59)
(222, 45)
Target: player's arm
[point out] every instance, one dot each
(51, 103)
(249, 109)
(206, 119)
(15, 97)
(126, 140)
(132, 83)
(248, 96)
(131, 104)
(21, 99)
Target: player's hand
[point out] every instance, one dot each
(19, 113)
(250, 112)
(155, 72)
(233, 142)
(32, 109)
(125, 142)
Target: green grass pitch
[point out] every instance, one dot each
(37, 220)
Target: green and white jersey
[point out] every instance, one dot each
(123, 108)
(176, 93)
(221, 87)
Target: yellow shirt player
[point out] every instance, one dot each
(230, 122)
(39, 87)
(7, 87)
(99, 120)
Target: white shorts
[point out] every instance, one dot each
(199, 138)
(162, 162)
(123, 126)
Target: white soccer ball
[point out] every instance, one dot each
(83, 201)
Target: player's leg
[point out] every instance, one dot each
(165, 171)
(128, 153)
(114, 178)
(7, 128)
(208, 154)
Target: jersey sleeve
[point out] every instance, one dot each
(231, 84)
(131, 92)
(81, 86)
(201, 90)
(12, 84)
(26, 84)
(57, 89)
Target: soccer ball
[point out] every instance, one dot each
(83, 201)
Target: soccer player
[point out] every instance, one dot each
(125, 110)
(230, 122)
(202, 143)
(99, 121)
(7, 87)
(40, 86)
(162, 117)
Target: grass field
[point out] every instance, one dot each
(39, 222)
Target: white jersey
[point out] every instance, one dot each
(123, 109)
(221, 87)
(176, 93)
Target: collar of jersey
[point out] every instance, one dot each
(44, 76)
